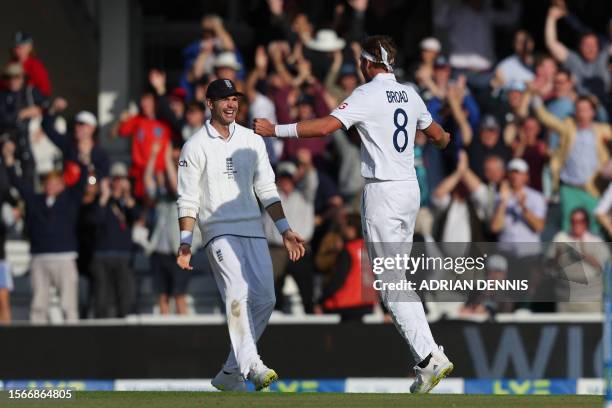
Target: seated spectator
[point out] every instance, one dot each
(603, 211)
(470, 25)
(80, 146)
(345, 292)
(589, 65)
(423, 71)
(580, 290)
(144, 129)
(169, 280)
(489, 142)
(297, 189)
(112, 218)
(520, 212)
(51, 220)
(582, 153)
(23, 53)
(519, 66)
(19, 103)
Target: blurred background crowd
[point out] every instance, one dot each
(529, 160)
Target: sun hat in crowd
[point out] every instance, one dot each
(519, 165)
(87, 118)
(118, 169)
(431, 44)
(326, 40)
(227, 60)
(13, 69)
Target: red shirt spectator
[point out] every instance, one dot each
(144, 129)
(37, 75)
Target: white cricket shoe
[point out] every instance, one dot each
(427, 378)
(262, 376)
(229, 382)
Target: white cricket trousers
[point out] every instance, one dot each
(388, 212)
(243, 271)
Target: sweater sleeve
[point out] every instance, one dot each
(264, 180)
(191, 166)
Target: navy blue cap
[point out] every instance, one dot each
(22, 37)
(222, 88)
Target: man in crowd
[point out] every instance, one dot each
(51, 219)
(112, 219)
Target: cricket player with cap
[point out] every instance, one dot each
(386, 114)
(223, 170)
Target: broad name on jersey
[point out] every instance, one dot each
(397, 97)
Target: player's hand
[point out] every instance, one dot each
(294, 245)
(263, 127)
(184, 257)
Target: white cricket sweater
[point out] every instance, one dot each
(218, 181)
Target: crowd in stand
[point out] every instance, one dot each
(529, 160)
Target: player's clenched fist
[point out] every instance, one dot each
(184, 257)
(294, 244)
(263, 127)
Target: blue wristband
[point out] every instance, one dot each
(282, 225)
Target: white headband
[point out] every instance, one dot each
(383, 54)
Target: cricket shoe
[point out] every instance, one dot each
(427, 378)
(262, 376)
(229, 381)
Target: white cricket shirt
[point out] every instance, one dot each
(220, 180)
(386, 115)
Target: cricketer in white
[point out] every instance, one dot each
(386, 115)
(223, 170)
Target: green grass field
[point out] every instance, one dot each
(117, 399)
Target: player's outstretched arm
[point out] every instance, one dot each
(437, 135)
(320, 127)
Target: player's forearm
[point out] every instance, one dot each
(276, 212)
(320, 127)
(438, 136)
(186, 223)
(317, 127)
